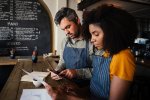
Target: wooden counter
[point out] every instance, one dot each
(142, 68)
(145, 62)
(7, 61)
(14, 87)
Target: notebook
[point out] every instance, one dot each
(35, 94)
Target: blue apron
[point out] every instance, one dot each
(76, 58)
(100, 82)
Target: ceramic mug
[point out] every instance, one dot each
(37, 83)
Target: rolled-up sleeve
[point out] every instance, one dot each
(84, 73)
(61, 64)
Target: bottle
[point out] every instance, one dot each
(34, 55)
(12, 53)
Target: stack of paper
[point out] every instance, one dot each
(35, 94)
(40, 75)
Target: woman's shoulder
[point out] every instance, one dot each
(123, 65)
(124, 54)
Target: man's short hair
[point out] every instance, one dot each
(69, 13)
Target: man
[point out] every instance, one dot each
(75, 53)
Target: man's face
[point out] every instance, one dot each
(69, 27)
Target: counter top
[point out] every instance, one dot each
(145, 62)
(13, 88)
(7, 61)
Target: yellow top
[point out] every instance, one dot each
(123, 65)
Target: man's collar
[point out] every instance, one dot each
(76, 39)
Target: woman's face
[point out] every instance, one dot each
(97, 35)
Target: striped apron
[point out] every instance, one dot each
(100, 82)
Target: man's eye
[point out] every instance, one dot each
(68, 27)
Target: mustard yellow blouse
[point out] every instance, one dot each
(123, 65)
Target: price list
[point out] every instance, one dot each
(23, 24)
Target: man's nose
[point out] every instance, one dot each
(66, 31)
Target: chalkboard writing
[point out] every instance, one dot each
(24, 24)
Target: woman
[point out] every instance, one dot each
(113, 31)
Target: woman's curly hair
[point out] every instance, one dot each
(119, 27)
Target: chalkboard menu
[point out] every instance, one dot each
(24, 24)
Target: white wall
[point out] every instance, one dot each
(58, 35)
(54, 6)
(73, 4)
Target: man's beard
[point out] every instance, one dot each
(77, 34)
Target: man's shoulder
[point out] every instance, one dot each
(65, 39)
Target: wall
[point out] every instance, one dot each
(73, 4)
(54, 6)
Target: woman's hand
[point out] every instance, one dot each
(63, 92)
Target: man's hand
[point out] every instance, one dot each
(55, 76)
(69, 73)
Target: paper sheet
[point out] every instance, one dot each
(35, 94)
(41, 76)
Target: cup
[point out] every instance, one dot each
(37, 83)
